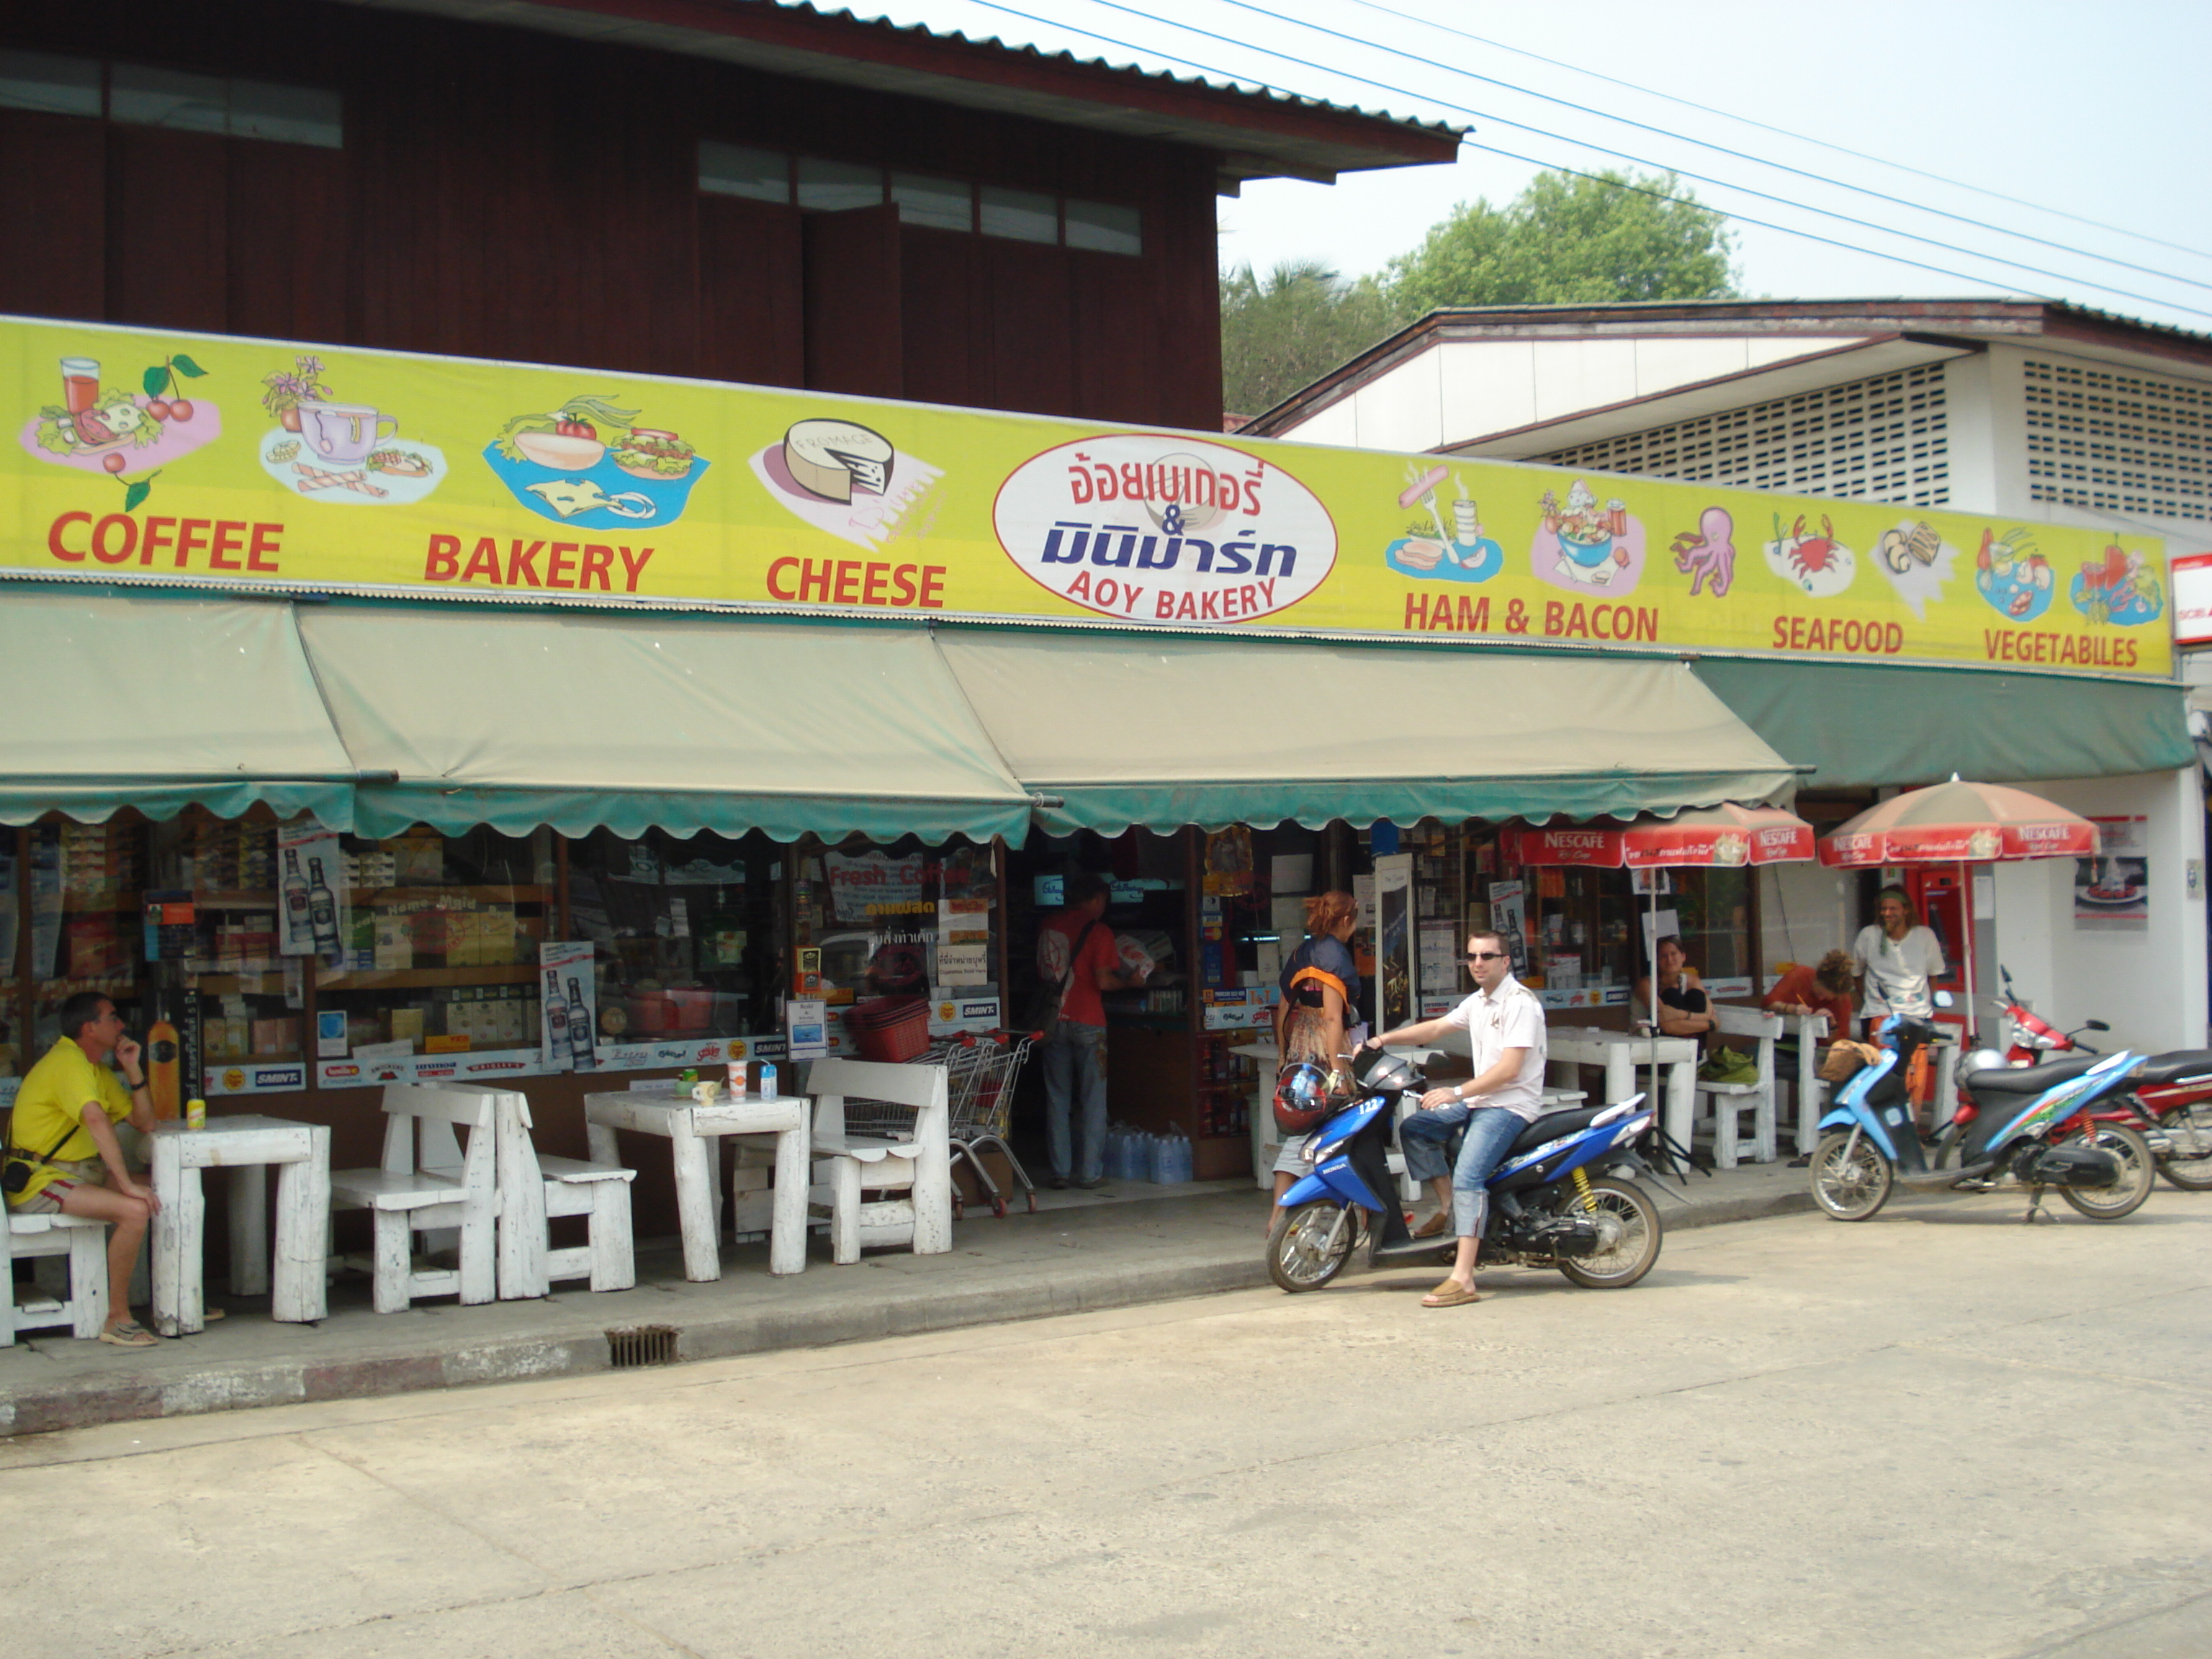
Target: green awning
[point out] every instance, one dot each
(1168, 731)
(635, 722)
(117, 701)
(1859, 725)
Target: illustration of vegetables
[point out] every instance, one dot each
(581, 418)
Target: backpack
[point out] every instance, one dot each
(1042, 1013)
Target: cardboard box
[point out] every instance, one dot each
(395, 941)
(970, 1190)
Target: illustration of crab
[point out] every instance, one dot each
(1819, 565)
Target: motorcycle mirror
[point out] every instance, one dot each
(2096, 1025)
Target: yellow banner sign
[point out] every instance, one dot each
(166, 458)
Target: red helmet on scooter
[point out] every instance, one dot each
(1301, 1099)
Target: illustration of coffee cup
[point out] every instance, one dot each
(343, 434)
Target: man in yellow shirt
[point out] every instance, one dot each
(64, 1130)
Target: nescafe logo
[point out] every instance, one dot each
(1165, 529)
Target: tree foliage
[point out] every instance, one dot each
(1286, 329)
(1566, 239)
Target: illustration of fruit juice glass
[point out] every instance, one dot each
(1467, 524)
(80, 384)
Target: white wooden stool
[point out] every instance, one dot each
(83, 1241)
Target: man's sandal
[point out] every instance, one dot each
(1449, 1295)
(129, 1334)
(1434, 1226)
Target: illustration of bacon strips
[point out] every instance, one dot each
(313, 478)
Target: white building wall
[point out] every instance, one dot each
(2151, 986)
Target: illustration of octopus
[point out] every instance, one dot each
(1709, 551)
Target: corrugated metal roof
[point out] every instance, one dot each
(1254, 132)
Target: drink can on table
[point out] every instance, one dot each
(196, 1114)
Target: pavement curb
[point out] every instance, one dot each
(420, 1363)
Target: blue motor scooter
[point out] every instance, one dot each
(2013, 1127)
(1547, 1208)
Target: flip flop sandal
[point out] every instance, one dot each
(1448, 1295)
(1433, 1227)
(129, 1334)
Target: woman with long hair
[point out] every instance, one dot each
(1319, 981)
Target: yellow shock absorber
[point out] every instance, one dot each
(1583, 1191)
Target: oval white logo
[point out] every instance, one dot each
(1165, 529)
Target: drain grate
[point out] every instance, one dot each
(646, 1345)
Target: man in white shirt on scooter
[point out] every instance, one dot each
(1505, 1024)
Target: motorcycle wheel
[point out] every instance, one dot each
(1300, 1256)
(1850, 1188)
(2193, 1124)
(1628, 1221)
(2137, 1169)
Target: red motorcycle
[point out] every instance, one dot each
(2170, 1102)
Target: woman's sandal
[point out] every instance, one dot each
(128, 1333)
(1450, 1295)
(1434, 1226)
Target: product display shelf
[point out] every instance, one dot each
(412, 895)
(378, 979)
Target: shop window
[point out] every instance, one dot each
(83, 890)
(143, 96)
(1024, 216)
(838, 187)
(758, 175)
(940, 203)
(684, 939)
(51, 85)
(1105, 227)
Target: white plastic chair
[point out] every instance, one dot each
(428, 1183)
(917, 1166)
(83, 1241)
(533, 1188)
(1731, 1100)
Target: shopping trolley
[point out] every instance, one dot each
(979, 1070)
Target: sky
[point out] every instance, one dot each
(2095, 111)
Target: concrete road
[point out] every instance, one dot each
(1940, 1433)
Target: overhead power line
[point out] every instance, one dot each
(1633, 159)
(1787, 132)
(1719, 149)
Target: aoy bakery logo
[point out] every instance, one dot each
(1165, 529)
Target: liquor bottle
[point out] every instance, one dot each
(556, 1022)
(322, 912)
(582, 1047)
(299, 929)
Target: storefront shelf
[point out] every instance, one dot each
(115, 899)
(372, 978)
(241, 985)
(244, 900)
(417, 895)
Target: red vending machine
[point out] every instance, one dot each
(1943, 893)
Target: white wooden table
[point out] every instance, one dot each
(1807, 1029)
(245, 1145)
(1621, 1053)
(690, 1127)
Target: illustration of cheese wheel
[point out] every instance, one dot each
(833, 459)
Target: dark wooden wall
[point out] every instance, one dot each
(507, 194)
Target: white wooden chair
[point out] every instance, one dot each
(80, 1239)
(534, 1188)
(917, 1166)
(428, 1183)
(1730, 1101)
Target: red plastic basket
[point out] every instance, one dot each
(895, 1028)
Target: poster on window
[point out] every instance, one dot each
(2112, 891)
(569, 1006)
(873, 885)
(1507, 903)
(1393, 939)
(312, 913)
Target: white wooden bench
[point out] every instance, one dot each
(83, 1241)
(534, 1188)
(919, 1166)
(1731, 1100)
(428, 1182)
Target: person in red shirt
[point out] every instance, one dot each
(1826, 989)
(1076, 949)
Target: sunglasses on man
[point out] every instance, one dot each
(1486, 955)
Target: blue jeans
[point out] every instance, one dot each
(1075, 1069)
(1490, 1131)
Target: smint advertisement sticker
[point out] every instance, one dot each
(1165, 529)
